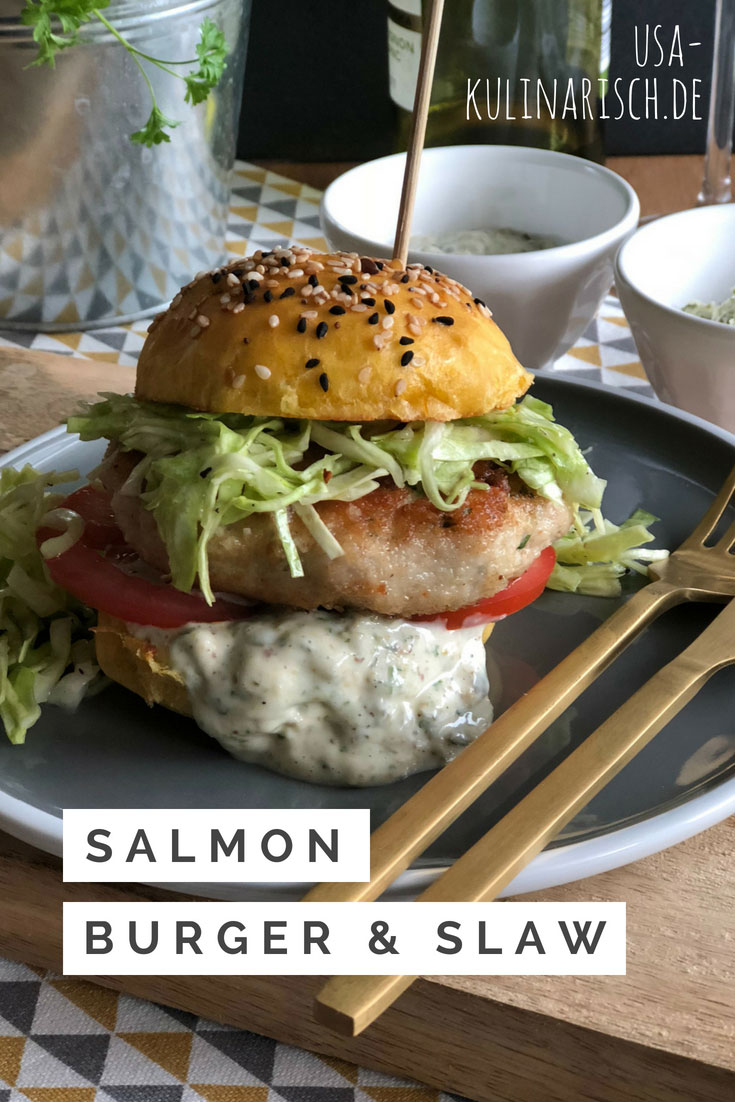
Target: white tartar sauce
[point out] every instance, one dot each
(491, 242)
(333, 698)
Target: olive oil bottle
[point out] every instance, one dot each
(513, 72)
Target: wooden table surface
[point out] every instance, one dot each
(664, 1032)
(664, 184)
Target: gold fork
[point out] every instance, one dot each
(695, 572)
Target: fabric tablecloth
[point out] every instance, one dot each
(65, 1040)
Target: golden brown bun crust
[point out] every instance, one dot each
(138, 666)
(232, 343)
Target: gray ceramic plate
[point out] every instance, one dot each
(115, 752)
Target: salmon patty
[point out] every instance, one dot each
(402, 555)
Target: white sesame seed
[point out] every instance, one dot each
(307, 290)
(417, 303)
(309, 314)
(379, 341)
(314, 266)
(256, 275)
(295, 273)
(194, 331)
(364, 374)
(418, 361)
(358, 308)
(224, 299)
(271, 283)
(192, 314)
(232, 280)
(412, 328)
(202, 320)
(262, 371)
(400, 387)
(388, 322)
(273, 320)
(248, 265)
(260, 268)
(176, 299)
(238, 381)
(237, 308)
(319, 290)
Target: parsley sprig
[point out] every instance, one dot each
(56, 26)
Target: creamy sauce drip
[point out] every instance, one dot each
(493, 242)
(333, 698)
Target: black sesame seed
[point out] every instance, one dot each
(373, 319)
(288, 292)
(479, 302)
(369, 301)
(321, 330)
(246, 340)
(238, 272)
(264, 255)
(406, 358)
(406, 340)
(324, 382)
(247, 298)
(312, 363)
(285, 262)
(405, 278)
(349, 279)
(444, 320)
(268, 296)
(253, 284)
(313, 280)
(379, 265)
(216, 276)
(390, 307)
(428, 269)
(301, 325)
(336, 309)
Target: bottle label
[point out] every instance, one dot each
(404, 53)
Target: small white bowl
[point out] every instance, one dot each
(541, 300)
(689, 361)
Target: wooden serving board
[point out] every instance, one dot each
(665, 1032)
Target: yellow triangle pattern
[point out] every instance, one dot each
(170, 1050)
(11, 1054)
(216, 1092)
(590, 354)
(284, 228)
(98, 1002)
(634, 369)
(60, 1094)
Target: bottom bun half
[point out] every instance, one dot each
(139, 666)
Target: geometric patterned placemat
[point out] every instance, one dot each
(268, 210)
(65, 1040)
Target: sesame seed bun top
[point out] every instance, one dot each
(329, 336)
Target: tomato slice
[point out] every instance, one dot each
(101, 582)
(513, 598)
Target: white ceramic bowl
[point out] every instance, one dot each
(690, 361)
(542, 300)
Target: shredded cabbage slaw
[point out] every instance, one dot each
(46, 649)
(201, 471)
